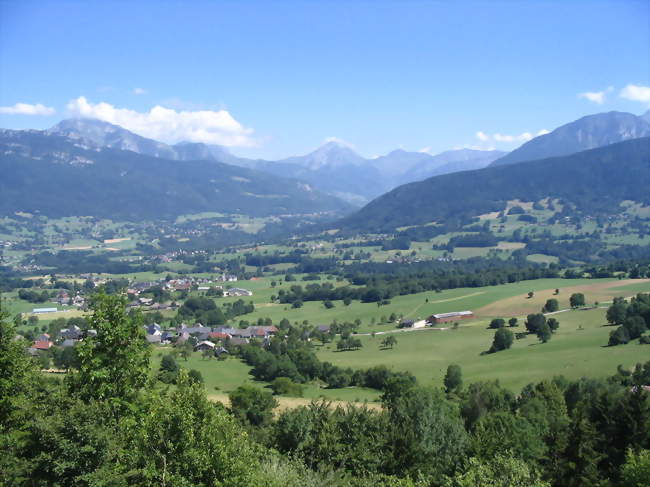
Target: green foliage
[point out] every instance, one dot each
(501, 430)
(252, 405)
(453, 378)
(577, 300)
(351, 438)
(534, 322)
(501, 471)
(620, 336)
(482, 398)
(497, 323)
(181, 438)
(544, 332)
(426, 434)
(636, 470)
(195, 376)
(580, 459)
(285, 386)
(551, 305)
(503, 339)
(114, 364)
(16, 369)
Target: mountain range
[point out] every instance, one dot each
(593, 182)
(96, 168)
(585, 133)
(333, 168)
(58, 176)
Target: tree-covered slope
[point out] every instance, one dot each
(595, 181)
(54, 176)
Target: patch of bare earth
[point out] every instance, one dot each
(522, 305)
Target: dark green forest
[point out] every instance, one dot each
(595, 182)
(56, 178)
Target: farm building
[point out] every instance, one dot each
(44, 310)
(453, 316)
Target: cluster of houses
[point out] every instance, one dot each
(63, 298)
(183, 284)
(204, 337)
(68, 337)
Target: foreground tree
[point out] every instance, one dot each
(453, 378)
(426, 434)
(636, 470)
(252, 405)
(500, 471)
(114, 364)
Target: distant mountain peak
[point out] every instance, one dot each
(588, 132)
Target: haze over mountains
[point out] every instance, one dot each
(585, 133)
(333, 168)
(96, 168)
(58, 176)
(593, 182)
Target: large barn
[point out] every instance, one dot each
(453, 316)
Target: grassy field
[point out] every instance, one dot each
(223, 376)
(572, 352)
(577, 349)
(484, 301)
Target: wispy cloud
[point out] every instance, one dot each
(28, 109)
(139, 91)
(636, 93)
(166, 124)
(505, 138)
(339, 141)
(596, 96)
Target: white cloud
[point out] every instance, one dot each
(596, 96)
(425, 150)
(508, 139)
(27, 109)
(339, 141)
(636, 93)
(482, 136)
(168, 125)
(139, 91)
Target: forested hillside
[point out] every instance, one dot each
(56, 177)
(594, 182)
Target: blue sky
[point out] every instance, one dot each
(273, 79)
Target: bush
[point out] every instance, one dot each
(551, 306)
(620, 336)
(497, 323)
(285, 386)
(503, 339)
(195, 376)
